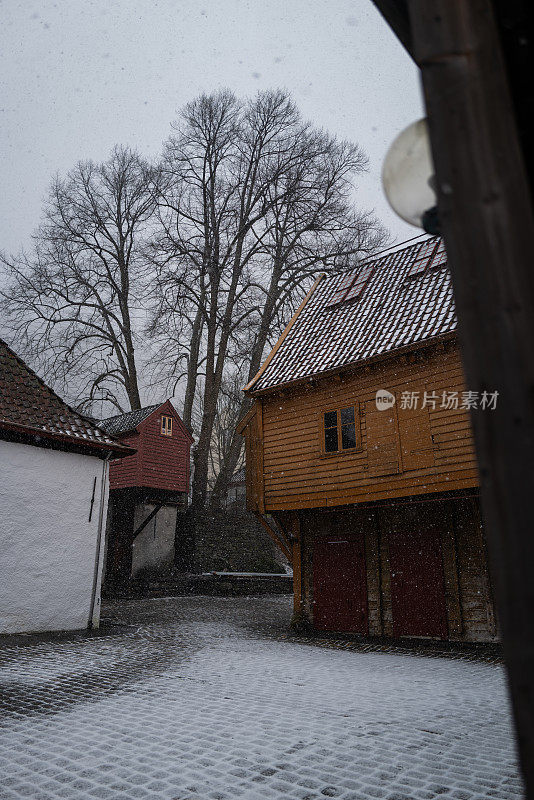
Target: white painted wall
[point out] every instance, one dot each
(153, 548)
(48, 547)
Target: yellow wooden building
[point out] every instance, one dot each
(360, 456)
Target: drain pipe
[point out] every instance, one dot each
(103, 487)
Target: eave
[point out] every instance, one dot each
(10, 431)
(353, 366)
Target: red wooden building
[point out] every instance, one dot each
(147, 531)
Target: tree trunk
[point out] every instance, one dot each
(227, 469)
(202, 453)
(192, 368)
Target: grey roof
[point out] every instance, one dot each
(127, 422)
(394, 310)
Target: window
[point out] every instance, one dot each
(346, 282)
(440, 257)
(424, 257)
(330, 432)
(352, 285)
(166, 426)
(360, 283)
(431, 255)
(341, 429)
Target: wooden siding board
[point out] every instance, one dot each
(161, 462)
(296, 472)
(254, 461)
(415, 434)
(381, 440)
(123, 472)
(320, 501)
(344, 482)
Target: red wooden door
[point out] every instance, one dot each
(340, 584)
(417, 584)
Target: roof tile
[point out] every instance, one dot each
(393, 311)
(127, 422)
(28, 405)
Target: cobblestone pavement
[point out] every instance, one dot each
(207, 699)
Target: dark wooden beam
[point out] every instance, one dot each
(278, 538)
(395, 12)
(486, 213)
(145, 522)
(515, 24)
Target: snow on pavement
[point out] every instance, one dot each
(202, 699)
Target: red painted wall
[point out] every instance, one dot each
(161, 462)
(123, 471)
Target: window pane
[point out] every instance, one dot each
(330, 420)
(330, 440)
(347, 415)
(348, 436)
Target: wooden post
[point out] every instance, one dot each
(296, 541)
(485, 209)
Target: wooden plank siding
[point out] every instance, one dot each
(161, 462)
(165, 459)
(403, 452)
(253, 432)
(124, 472)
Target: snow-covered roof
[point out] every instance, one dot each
(121, 423)
(391, 302)
(29, 407)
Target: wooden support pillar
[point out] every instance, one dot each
(486, 214)
(296, 544)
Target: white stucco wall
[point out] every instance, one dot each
(48, 546)
(153, 548)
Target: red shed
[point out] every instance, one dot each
(147, 528)
(162, 445)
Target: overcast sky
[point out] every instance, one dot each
(78, 76)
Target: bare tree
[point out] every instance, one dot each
(227, 416)
(73, 305)
(254, 201)
(311, 225)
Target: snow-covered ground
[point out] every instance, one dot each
(203, 699)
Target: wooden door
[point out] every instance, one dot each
(383, 455)
(340, 584)
(417, 447)
(417, 583)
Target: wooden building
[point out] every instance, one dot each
(147, 530)
(359, 448)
